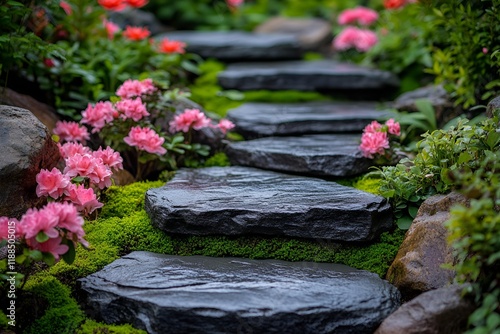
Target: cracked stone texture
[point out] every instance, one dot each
(317, 155)
(321, 75)
(255, 120)
(249, 201)
(195, 294)
(238, 45)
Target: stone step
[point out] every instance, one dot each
(322, 75)
(195, 294)
(250, 201)
(254, 120)
(317, 155)
(238, 45)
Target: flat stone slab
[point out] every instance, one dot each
(195, 294)
(255, 120)
(317, 155)
(238, 45)
(321, 75)
(249, 201)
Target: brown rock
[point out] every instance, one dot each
(122, 177)
(25, 147)
(441, 311)
(417, 267)
(45, 113)
(313, 34)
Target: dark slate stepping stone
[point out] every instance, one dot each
(248, 201)
(195, 294)
(238, 45)
(322, 75)
(318, 155)
(255, 120)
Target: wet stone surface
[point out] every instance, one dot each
(249, 201)
(317, 155)
(195, 294)
(255, 120)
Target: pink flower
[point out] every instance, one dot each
(145, 139)
(71, 131)
(68, 150)
(68, 217)
(136, 33)
(101, 175)
(485, 50)
(190, 118)
(111, 28)
(373, 127)
(81, 165)
(52, 183)
(362, 15)
(235, 3)
(135, 88)
(85, 200)
(170, 46)
(49, 62)
(66, 7)
(35, 221)
(393, 127)
(225, 125)
(134, 109)
(99, 115)
(114, 5)
(109, 157)
(373, 143)
(52, 246)
(352, 37)
(8, 227)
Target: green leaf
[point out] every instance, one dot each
(69, 256)
(49, 259)
(404, 222)
(464, 157)
(36, 255)
(412, 210)
(42, 237)
(426, 108)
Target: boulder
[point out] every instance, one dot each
(317, 155)
(493, 105)
(238, 45)
(249, 201)
(441, 311)
(313, 34)
(417, 267)
(322, 75)
(255, 120)
(196, 294)
(25, 148)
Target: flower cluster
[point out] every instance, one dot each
(360, 39)
(395, 4)
(119, 5)
(375, 138)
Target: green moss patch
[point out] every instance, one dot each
(93, 327)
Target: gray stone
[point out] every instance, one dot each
(312, 33)
(318, 155)
(254, 120)
(195, 294)
(25, 148)
(137, 18)
(248, 201)
(321, 75)
(238, 45)
(441, 311)
(493, 106)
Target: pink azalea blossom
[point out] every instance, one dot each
(362, 15)
(393, 127)
(71, 131)
(51, 183)
(145, 139)
(132, 108)
(68, 150)
(374, 126)
(190, 118)
(66, 7)
(68, 216)
(84, 199)
(35, 221)
(109, 157)
(373, 143)
(80, 165)
(52, 246)
(352, 37)
(101, 175)
(99, 115)
(171, 46)
(135, 88)
(225, 125)
(111, 28)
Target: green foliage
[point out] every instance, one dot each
(465, 57)
(94, 327)
(219, 159)
(284, 96)
(368, 184)
(3, 320)
(461, 147)
(62, 314)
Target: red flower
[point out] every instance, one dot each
(170, 46)
(136, 3)
(115, 5)
(136, 33)
(49, 62)
(393, 4)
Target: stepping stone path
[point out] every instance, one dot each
(169, 294)
(238, 45)
(255, 120)
(240, 200)
(195, 294)
(322, 75)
